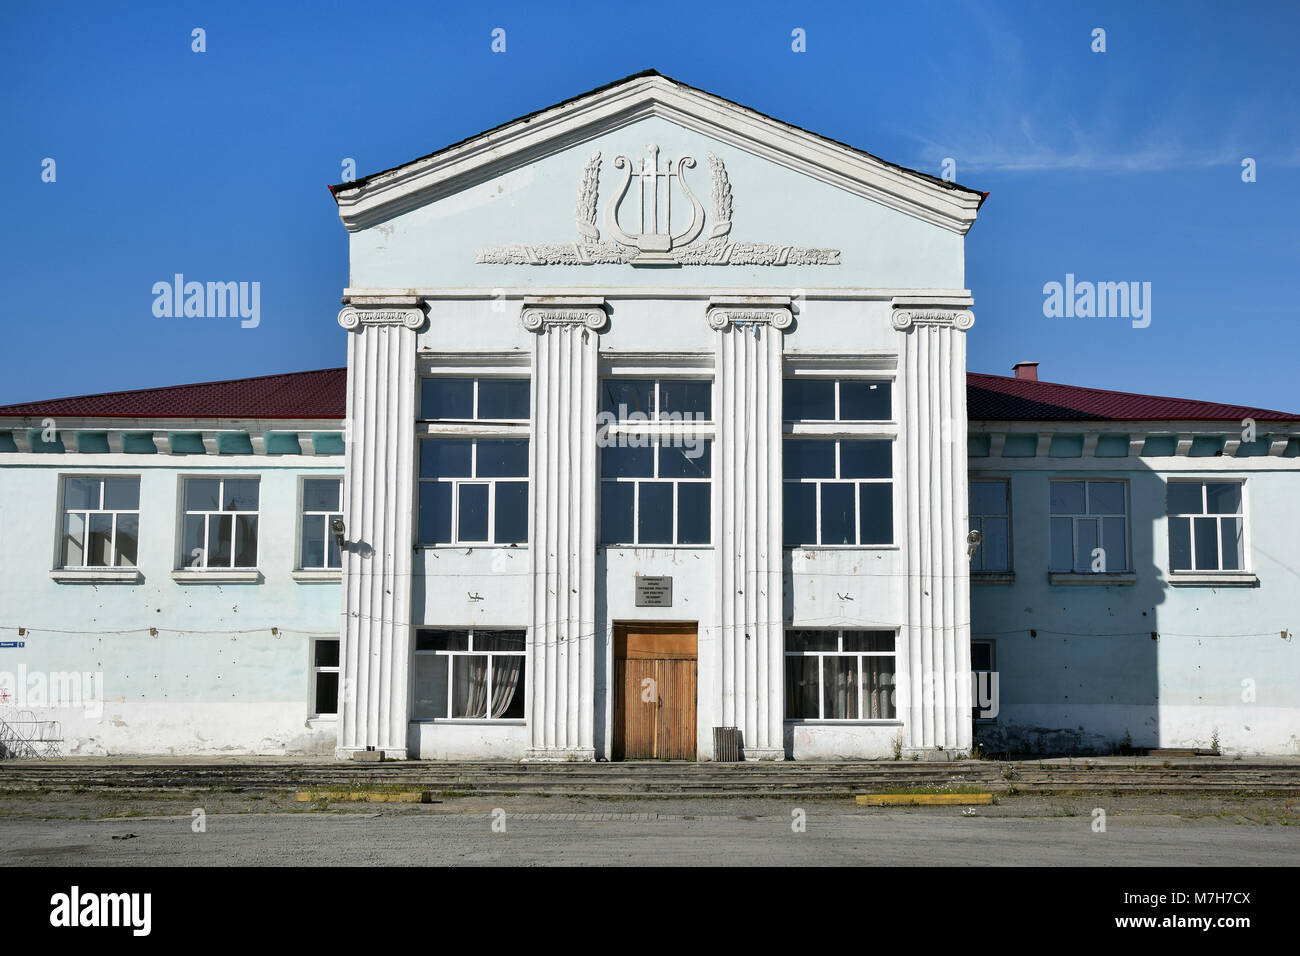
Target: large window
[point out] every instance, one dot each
(657, 400)
(219, 526)
(836, 400)
(839, 675)
(101, 523)
(1089, 526)
(990, 515)
(469, 674)
(473, 491)
(655, 493)
(838, 492)
(322, 503)
(325, 678)
(1206, 526)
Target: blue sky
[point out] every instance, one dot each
(1115, 166)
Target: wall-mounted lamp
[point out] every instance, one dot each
(338, 528)
(972, 542)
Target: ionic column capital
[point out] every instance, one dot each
(539, 314)
(724, 313)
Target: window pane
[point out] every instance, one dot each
(1062, 544)
(321, 494)
(808, 399)
(430, 686)
(240, 494)
(616, 499)
(313, 541)
(1223, 498)
(866, 459)
(468, 686)
(445, 457)
(246, 541)
(508, 688)
(655, 513)
(220, 529)
(81, 494)
(503, 398)
(693, 512)
(435, 512)
(442, 640)
(840, 688)
(1105, 498)
(876, 513)
(838, 514)
(805, 458)
(626, 461)
(327, 693)
(512, 512)
(988, 497)
(1233, 559)
(993, 545)
(801, 688)
(74, 537)
(1184, 498)
(121, 494)
(447, 398)
(1113, 536)
(1180, 544)
(864, 401)
(192, 542)
(327, 653)
(811, 640)
(1067, 498)
(128, 540)
(202, 494)
(625, 397)
(693, 401)
(981, 656)
(1207, 543)
(799, 502)
(1085, 543)
(685, 462)
(869, 641)
(505, 458)
(878, 688)
(499, 640)
(472, 513)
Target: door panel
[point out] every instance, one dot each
(655, 688)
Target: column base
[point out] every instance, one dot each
(750, 753)
(560, 755)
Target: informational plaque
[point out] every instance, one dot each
(654, 591)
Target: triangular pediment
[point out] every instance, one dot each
(634, 100)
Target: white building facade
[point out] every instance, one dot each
(652, 443)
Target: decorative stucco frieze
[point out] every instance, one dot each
(960, 319)
(656, 242)
(352, 318)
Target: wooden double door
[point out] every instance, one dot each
(655, 686)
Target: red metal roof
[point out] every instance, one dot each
(318, 394)
(323, 394)
(1000, 398)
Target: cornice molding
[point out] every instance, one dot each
(519, 143)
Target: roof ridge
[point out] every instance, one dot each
(1112, 391)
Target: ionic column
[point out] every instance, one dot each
(562, 629)
(934, 693)
(375, 654)
(748, 626)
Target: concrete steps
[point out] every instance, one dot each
(1212, 775)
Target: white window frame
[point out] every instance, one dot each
(1075, 519)
(857, 497)
(477, 376)
(1218, 527)
(64, 511)
(636, 500)
(473, 479)
(490, 674)
(839, 378)
(329, 516)
(184, 559)
(977, 524)
(821, 677)
(316, 670)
